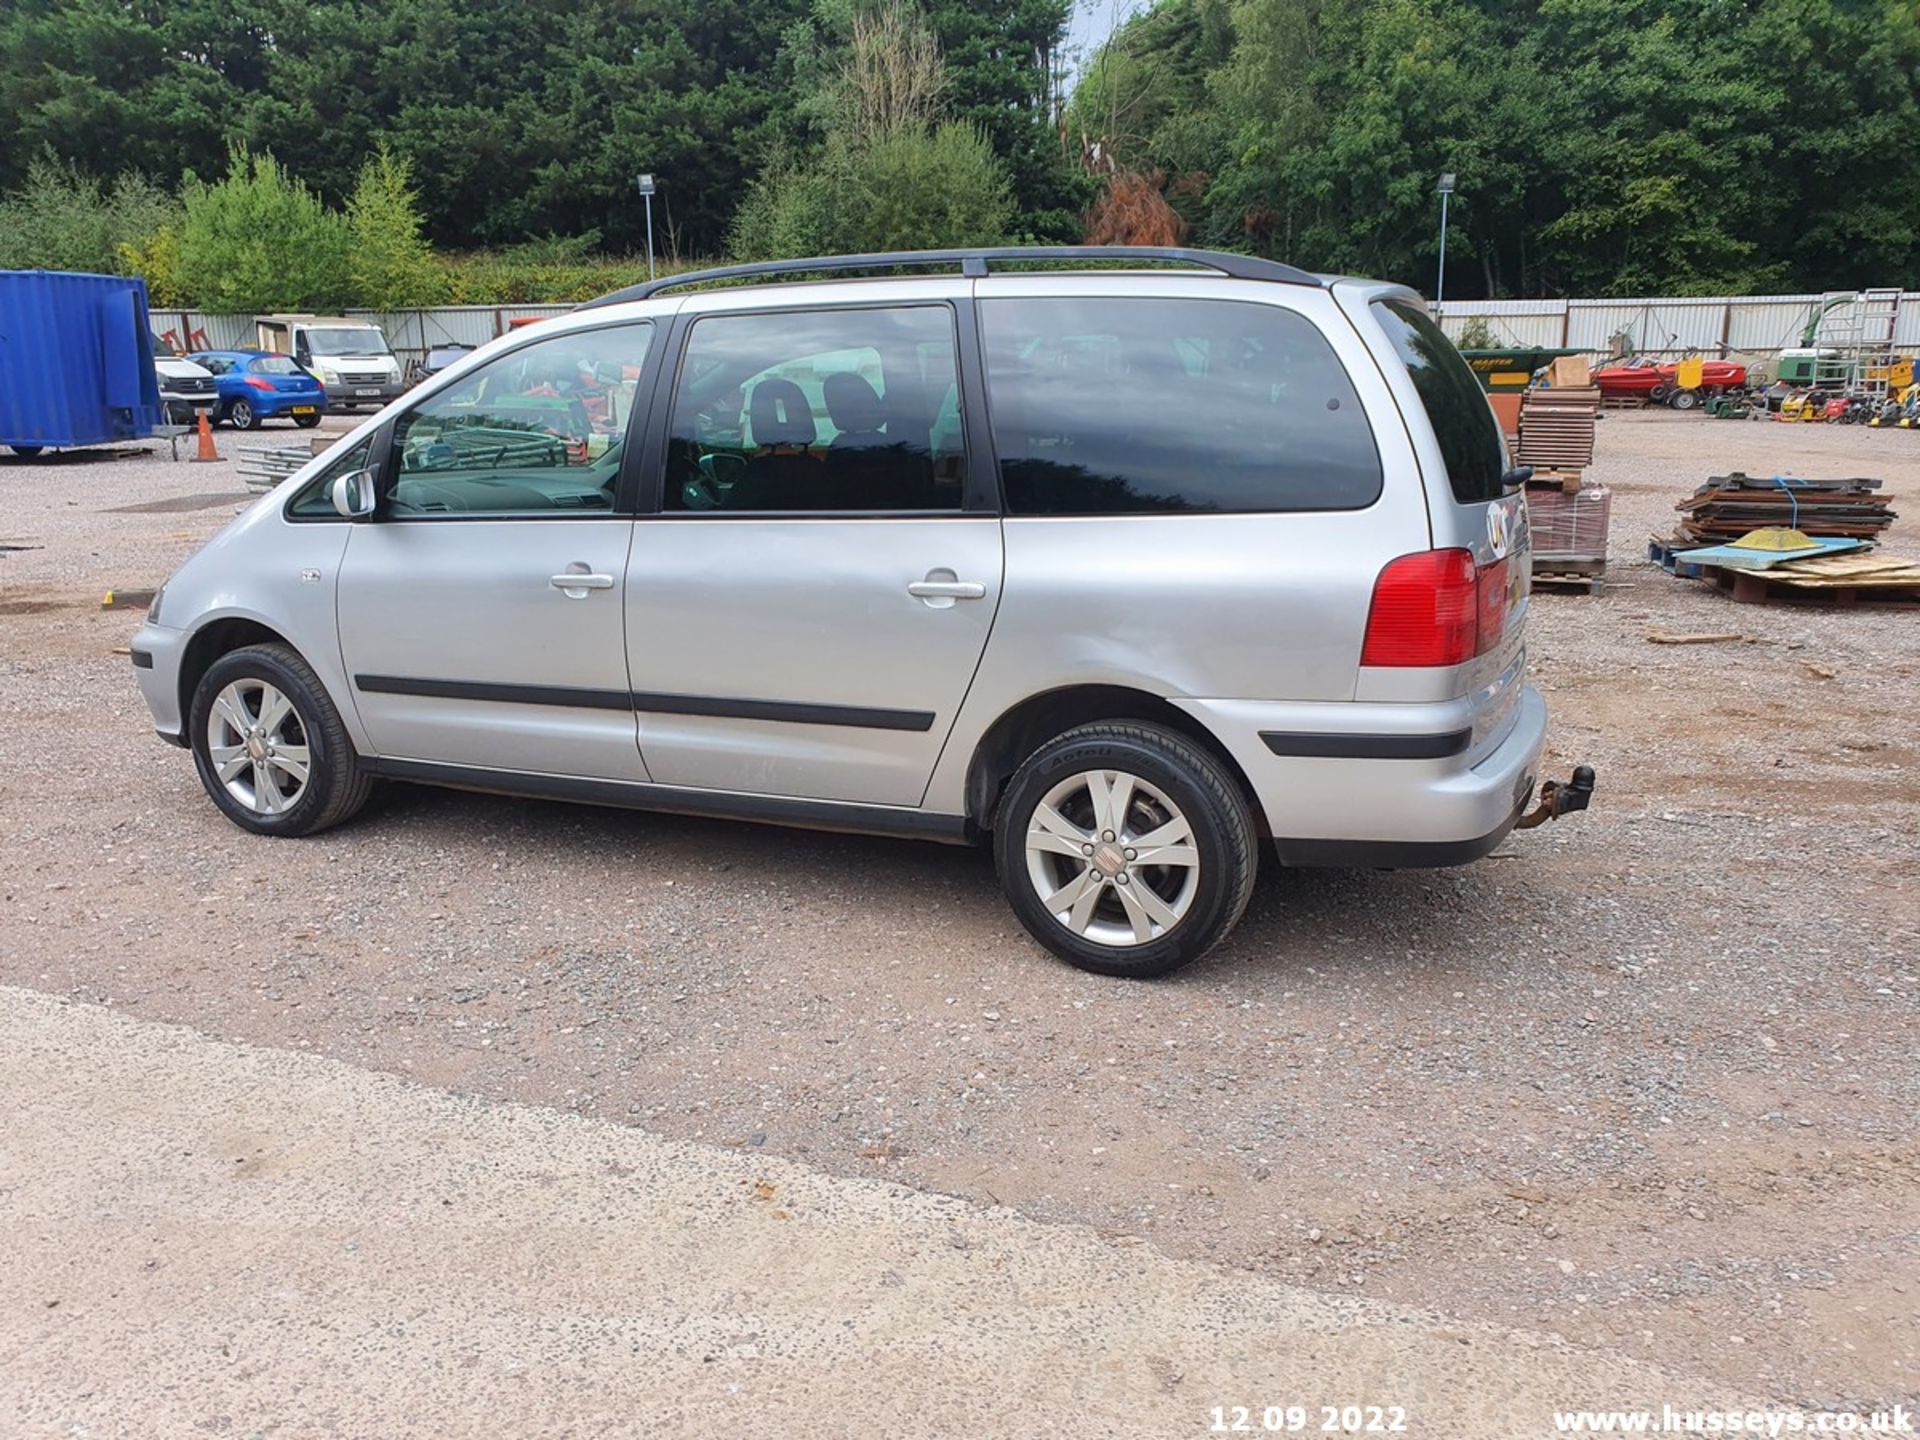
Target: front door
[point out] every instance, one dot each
(806, 613)
(481, 612)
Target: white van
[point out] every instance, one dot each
(350, 357)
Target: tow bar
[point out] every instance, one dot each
(1557, 799)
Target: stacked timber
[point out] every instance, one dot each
(1556, 427)
(1729, 506)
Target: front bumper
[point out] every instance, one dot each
(158, 652)
(352, 397)
(1382, 785)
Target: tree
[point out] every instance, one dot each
(62, 219)
(890, 174)
(259, 240)
(391, 266)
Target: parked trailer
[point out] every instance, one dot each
(76, 366)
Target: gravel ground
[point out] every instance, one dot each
(1644, 1079)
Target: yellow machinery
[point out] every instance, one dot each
(1802, 405)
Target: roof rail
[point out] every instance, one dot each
(976, 262)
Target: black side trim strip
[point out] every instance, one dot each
(762, 809)
(1368, 747)
(142, 659)
(505, 694)
(793, 712)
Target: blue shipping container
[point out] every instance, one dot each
(76, 360)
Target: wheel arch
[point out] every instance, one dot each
(211, 641)
(1024, 728)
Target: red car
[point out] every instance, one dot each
(1642, 377)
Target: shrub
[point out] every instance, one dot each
(259, 240)
(1476, 334)
(909, 189)
(63, 219)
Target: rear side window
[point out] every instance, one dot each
(1463, 423)
(1105, 406)
(274, 365)
(818, 410)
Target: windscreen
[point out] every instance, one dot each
(1463, 423)
(347, 340)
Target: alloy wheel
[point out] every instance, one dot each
(1112, 858)
(258, 746)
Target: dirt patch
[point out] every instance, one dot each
(179, 504)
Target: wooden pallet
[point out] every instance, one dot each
(1591, 584)
(1570, 572)
(1624, 402)
(1850, 579)
(1546, 477)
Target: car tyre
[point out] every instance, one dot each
(241, 416)
(1127, 917)
(261, 712)
(306, 422)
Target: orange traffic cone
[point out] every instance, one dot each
(207, 452)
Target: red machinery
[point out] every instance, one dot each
(1647, 380)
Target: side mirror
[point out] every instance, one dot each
(354, 495)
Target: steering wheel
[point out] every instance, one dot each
(720, 471)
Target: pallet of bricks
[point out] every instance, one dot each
(1568, 516)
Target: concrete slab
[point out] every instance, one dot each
(208, 1238)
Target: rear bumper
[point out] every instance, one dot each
(1382, 785)
(275, 406)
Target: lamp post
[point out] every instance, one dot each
(1440, 280)
(646, 192)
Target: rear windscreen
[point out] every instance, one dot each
(1463, 423)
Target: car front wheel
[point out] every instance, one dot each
(270, 747)
(1125, 848)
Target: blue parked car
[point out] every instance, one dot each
(257, 385)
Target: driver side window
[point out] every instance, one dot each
(536, 431)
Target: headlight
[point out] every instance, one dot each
(153, 610)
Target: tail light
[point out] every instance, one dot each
(258, 384)
(1434, 608)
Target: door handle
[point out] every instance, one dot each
(578, 580)
(947, 590)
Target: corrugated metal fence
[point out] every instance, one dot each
(411, 333)
(1718, 325)
(1721, 325)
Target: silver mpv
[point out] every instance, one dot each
(1127, 566)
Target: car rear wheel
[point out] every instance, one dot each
(306, 422)
(1125, 849)
(240, 413)
(270, 747)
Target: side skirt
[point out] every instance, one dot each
(890, 820)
